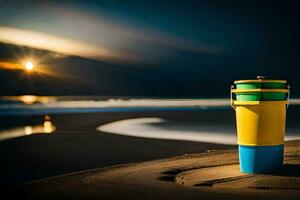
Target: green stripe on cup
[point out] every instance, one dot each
(261, 96)
(273, 85)
(260, 84)
(248, 85)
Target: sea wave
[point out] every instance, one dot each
(41, 105)
(158, 128)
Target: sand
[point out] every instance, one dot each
(212, 175)
(120, 167)
(77, 145)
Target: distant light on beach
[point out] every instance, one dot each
(29, 66)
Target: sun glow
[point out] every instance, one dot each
(33, 66)
(29, 66)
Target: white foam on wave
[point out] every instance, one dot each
(143, 127)
(149, 128)
(38, 105)
(111, 103)
(36, 102)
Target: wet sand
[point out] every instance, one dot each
(213, 175)
(77, 145)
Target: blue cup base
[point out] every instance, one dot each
(261, 159)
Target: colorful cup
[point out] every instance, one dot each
(260, 107)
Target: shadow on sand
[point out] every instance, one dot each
(289, 170)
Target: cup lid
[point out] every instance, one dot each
(259, 90)
(259, 80)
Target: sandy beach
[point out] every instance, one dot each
(213, 175)
(77, 147)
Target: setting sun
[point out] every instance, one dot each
(29, 66)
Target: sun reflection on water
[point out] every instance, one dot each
(47, 127)
(28, 130)
(28, 99)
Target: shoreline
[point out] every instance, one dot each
(77, 145)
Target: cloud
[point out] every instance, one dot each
(78, 31)
(57, 44)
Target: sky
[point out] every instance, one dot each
(137, 30)
(173, 38)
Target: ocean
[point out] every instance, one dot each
(212, 130)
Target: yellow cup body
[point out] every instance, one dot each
(260, 123)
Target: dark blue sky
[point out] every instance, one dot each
(174, 42)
